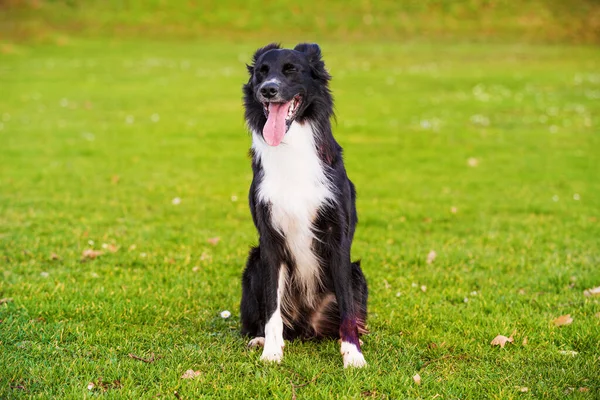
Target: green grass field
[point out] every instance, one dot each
(488, 155)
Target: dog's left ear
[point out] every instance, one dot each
(313, 53)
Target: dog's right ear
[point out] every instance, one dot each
(259, 53)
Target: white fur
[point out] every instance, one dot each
(295, 184)
(352, 356)
(273, 343)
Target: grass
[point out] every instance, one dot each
(553, 21)
(486, 154)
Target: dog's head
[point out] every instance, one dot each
(286, 86)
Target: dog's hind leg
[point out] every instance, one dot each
(252, 307)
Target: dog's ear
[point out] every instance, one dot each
(259, 53)
(313, 53)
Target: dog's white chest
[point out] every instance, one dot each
(295, 185)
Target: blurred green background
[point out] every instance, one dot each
(475, 20)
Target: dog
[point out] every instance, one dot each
(299, 282)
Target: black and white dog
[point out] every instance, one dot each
(299, 282)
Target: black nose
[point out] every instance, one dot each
(269, 90)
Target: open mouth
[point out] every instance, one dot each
(279, 119)
(293, 107)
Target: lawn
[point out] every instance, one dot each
(487, 155)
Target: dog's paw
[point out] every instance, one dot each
(257, 342)
(272, 355)
(352, 356)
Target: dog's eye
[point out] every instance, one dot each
(264, 69)
(289, 68)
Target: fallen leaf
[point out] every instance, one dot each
(563, 320)
(115, 179)
(54, 256)
(584, 389)
(113, 248)
(214, 241)
(431, 257)
(525, 341)
(568, 352)
(417, 379)
(501, 341)
(523, 389)
(190, 374)
(91, 253)
(6, 300)
(592, 292)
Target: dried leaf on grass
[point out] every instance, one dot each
(431, 257)
(91, 254)
(417, 379)
(190, 374)
(113, 248)
(501, 340)
(6, 300)
(563, 320)
(104, 386)
(592, 292)
(568, 353)
(214, 241)
(54, 256)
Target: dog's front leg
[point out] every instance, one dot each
(274, 287)
(342, 278)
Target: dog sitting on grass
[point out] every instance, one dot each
(299, 282)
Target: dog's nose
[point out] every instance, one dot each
(269, 90)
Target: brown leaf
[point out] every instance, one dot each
(417, 379)
(431, 257)
(91, 253)
(563, 320)
(113, 248)
(214, 241)
(584, 389)
(190, 374)
(501, 341)
(592, 292)
(6, 300)
(54, 256)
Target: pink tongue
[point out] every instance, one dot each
(274, 129)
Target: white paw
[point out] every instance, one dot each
(352, 356)
(258, 341)
(272, 355)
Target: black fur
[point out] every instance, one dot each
(333, 226)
